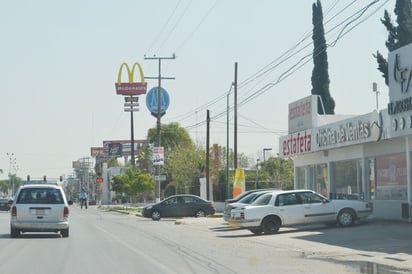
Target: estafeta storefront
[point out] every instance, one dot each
(365, 157)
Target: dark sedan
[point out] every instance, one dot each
(5, 204)
(184, 205)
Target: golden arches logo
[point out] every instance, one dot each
(131, 87)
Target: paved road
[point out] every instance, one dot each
(108, 242)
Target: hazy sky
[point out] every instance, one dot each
(60, 59)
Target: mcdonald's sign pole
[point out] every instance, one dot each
(131, 89)
(159, 114)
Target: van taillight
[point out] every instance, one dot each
(66, 212)
(14, 211)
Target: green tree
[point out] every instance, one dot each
(171, 136)
(280, 172)
(320, 74)
(398, 35)
(4, 186)
(183, 160)
(184, 166)
(133, 183)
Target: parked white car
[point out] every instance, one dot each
(296, 207)
(246, 200)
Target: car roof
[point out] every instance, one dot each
(40, 186)
(182, 195)
(247, 192)
(290, 191)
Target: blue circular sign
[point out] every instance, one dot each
(152, 100)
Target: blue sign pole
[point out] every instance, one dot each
(152, 101)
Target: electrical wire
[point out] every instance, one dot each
(197, 27)
(299, 64)
(175, 26)
(163, 28)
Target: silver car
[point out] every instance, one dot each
(40, 208)
(296, 207)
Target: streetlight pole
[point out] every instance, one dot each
(11, 162)
(375, 89)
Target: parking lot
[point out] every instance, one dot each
(372, 247)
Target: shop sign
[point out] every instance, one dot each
(296, 144)
(131, 87)
(301, 114)
(361, 129)
(400, 92)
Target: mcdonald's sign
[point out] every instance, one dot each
(131, 87)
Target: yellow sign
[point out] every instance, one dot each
(131, 87)
(239, 182)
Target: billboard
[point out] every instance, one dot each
(96, 151)
(120, 148)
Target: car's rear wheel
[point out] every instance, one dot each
(256, 231)
(200, 213)
(270, 225)
(65, 233)
(346, 217)
(14, 232)
(156, 215)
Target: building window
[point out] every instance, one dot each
(300, 178)
(391, 181)
(347, 178)
(315, 178)
(318, 179)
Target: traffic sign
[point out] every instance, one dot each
(152, 101)
(131, 109)
(160, 177)
(131, 99)
(131, 104)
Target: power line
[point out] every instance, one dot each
(175, 25)
(299, 64)
(197, 27)
(163, 28)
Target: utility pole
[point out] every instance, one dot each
(159, 114)
(235, 126)
(208, 188)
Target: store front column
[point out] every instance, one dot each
(365, 193)
(408, 141)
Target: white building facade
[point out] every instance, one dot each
(366, 157)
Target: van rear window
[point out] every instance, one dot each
(40, 196)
